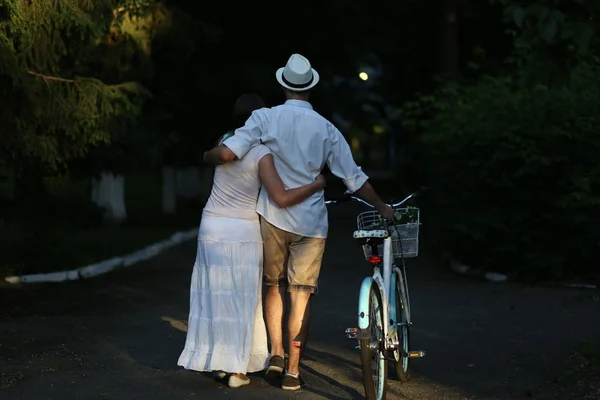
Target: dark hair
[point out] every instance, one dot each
(244, 105)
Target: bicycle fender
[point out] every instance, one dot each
(363, 303)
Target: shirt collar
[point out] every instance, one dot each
(299, 103)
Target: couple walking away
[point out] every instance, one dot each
(276, 155)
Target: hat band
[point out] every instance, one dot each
(295, 85)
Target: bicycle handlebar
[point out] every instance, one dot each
(350, 197)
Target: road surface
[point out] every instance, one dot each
(119, 336)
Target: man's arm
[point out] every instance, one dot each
(368, 193)
(341, 163)
(243, 140)
(219, 155)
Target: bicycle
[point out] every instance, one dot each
(383, 320)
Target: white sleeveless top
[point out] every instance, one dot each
(236, 186)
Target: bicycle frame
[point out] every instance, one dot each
(382, 278)
(400, 274)
(385, 276)
(386, 282)
(363, 299)
(390, 280)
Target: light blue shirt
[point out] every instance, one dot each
(302, 142)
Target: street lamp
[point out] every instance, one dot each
(364, 76)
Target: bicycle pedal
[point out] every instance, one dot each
(416, 354)
(351, 333)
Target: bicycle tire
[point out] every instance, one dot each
(401, 361)
(374, 389)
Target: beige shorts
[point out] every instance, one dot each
(291, 260)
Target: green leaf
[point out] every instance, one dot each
(583, 36)
(519, 16)
(540, 10)
(549, 29)
(568, 31)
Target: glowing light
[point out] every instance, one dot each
(364, 76)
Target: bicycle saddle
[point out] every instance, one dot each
(370, 234)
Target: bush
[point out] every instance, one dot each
(517, 173)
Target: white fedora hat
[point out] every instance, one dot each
(297, 75)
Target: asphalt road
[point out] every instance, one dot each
(119, 336)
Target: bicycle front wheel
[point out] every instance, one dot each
(401, 319)
(373, 353)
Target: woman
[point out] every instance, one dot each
(226, 331)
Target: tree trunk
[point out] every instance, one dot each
(108, 192)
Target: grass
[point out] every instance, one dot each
(70, 234)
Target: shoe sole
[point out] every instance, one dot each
(237, 386)
(237, 383)
(291, 388)
(274, 372)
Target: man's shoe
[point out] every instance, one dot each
(276, 366)
(291, 382)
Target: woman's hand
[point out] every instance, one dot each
(321, 182)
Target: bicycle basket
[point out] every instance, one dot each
(405, 235)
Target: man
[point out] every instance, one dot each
(302, 142)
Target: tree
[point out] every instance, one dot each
(513, 153)
(151, 48)
(550, 37)
(56, 108)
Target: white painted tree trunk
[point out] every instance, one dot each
(188, 182)
(169, 190)
(108, 192)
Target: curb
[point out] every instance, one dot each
(111, 264)
(462, 269)
(496, 277)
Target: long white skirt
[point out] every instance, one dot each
(226, 329)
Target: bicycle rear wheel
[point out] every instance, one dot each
(401, 319)
(373, 354)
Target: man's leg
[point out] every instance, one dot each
(307, 318)
(275, 256)
(274, 306)
(304, 266)
(298, 325)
